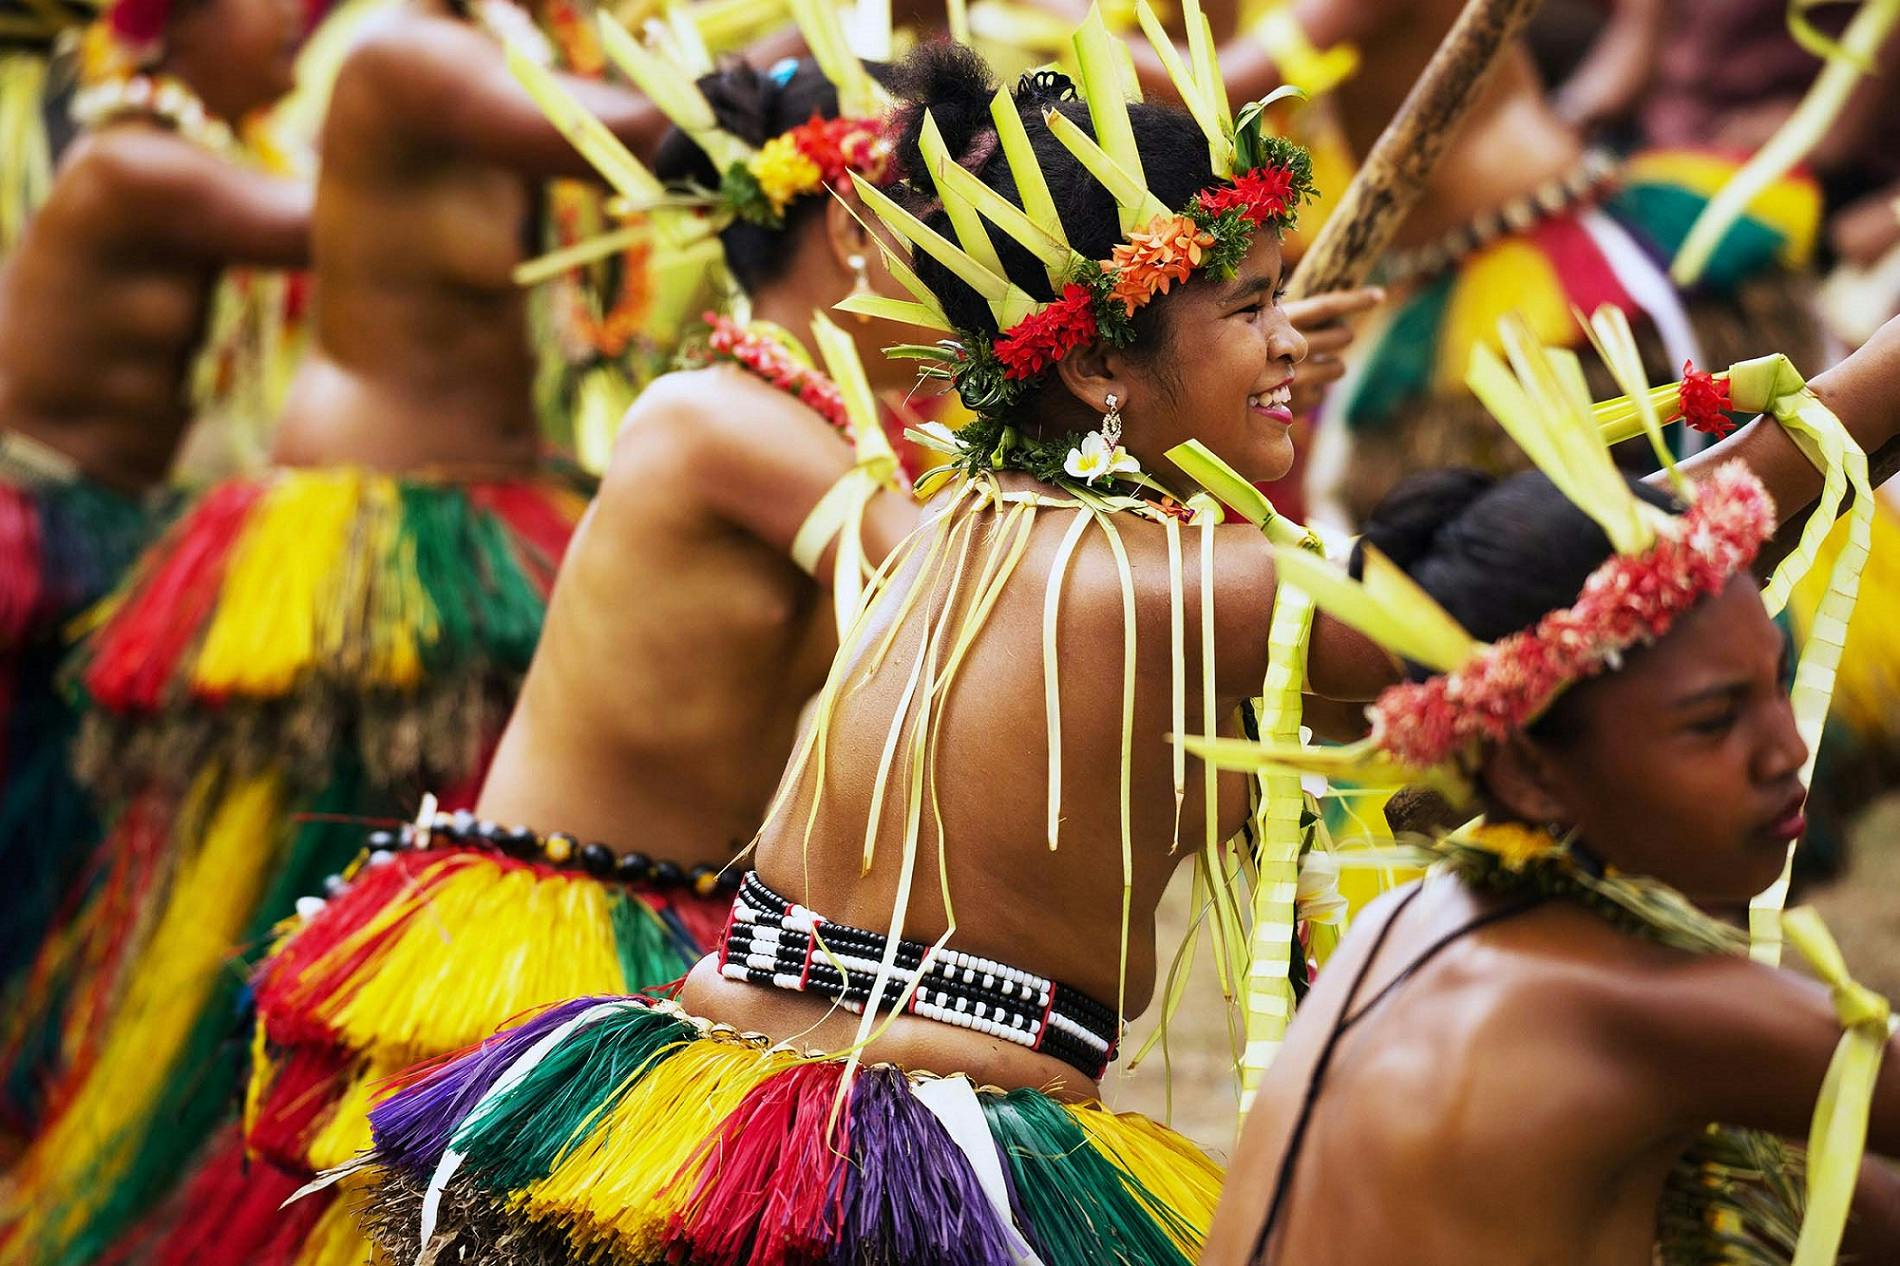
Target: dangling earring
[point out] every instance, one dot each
(862, 286)
(1112, 422)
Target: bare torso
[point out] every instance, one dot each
(99, 326)
(421, 353)
(1479, 1058)
(677, 654)
(1055, 913)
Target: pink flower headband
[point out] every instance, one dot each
(1628, 601)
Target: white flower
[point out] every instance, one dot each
(937, 436)
(1317, 898)
(1093, 458)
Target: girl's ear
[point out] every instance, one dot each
(1521, 775)
(1092, 375)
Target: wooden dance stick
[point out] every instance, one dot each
(1394, 173)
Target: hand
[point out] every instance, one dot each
(1866, 229)
(1322, 319)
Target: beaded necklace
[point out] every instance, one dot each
(771, 357)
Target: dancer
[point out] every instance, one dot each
(913, 1165)
(1522, 216)
(1624, 728)
(104, 309)
(447, 931)
(327, 640)
(906, 872)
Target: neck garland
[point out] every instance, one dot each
(163, 97)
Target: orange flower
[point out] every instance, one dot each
(1154, 258)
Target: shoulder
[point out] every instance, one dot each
(695, 417)
(129, 158)
(402, 53)
(127, 176)
(1662, 1008)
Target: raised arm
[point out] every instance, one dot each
(441, 83)
(1743, 1044)
(1863, 391)
(1611, 78)
(1248, 66)
(162, 192)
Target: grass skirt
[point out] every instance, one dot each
(1404, 404)
(63, 545)
(416, 955)
(615, 1130)
(303, 649)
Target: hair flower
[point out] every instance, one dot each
(1154, 258)
(784, 172)
(1093, 459)
(1039, 341)
(1317, 898)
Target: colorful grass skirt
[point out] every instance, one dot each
(1404, 404)
(416, 953)
(302, 650)
(618, 1130)
(64, 543)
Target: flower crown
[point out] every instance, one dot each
(1662, 564)
(1626, 602)
(1262, 181)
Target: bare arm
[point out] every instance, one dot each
(1616, 70)
(1341, 664)
(1246, 64)
(762, 461)
(1863, 391)
(160, 190)
(439, 83)
(1742, 1044)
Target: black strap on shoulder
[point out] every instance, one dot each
(1348, 1018)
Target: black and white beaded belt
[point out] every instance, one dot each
(1518, 215)
(438, 831)
(772, 941)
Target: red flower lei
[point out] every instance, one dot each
(1626, 602)
(768, 359)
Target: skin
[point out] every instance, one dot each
(1609, 1051)
(1395, 41)
(681, 641)
(432, 155)
(106, 299)
(1058, 913)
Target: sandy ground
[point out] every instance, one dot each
(1195, 1090)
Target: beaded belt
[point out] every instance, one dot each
(1518, 215)
(558, 849)
(772, 941)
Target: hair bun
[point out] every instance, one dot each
(953, 83)
(1407, 525)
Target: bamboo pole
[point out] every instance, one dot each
(1394, 174)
